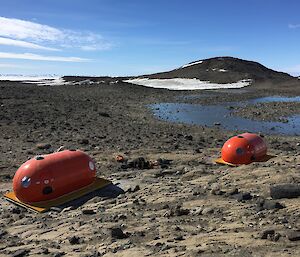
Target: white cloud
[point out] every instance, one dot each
(40, 33)
(20, 43)
(37, 57)
(294, 26)
(21, 29)
(96, 47)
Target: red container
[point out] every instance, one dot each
(47, 177)
(244, 149)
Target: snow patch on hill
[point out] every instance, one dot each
(186, 84)
(192, 63)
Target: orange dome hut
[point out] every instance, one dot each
(54, 179)
(243, 149)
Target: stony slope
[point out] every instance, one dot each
(224, 70)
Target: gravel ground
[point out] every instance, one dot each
(187, 207)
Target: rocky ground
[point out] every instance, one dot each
(256, 112)
(188, 206)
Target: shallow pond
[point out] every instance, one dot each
(219, 115)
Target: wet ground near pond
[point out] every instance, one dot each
(224, 115)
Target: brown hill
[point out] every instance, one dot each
(224, 70)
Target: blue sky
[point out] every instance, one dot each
(131, 37)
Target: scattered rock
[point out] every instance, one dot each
(285, 191)
(2, 233)
(88, 212)
(232, 191)
(197, 211)
(118, 233)
(189, 137)
(208, 210)
(276, 237)
(136, 201)
(104, 114)
(269, 205)
(74, 240)
(43, 146)
(165, 247)
(284, 220)
(217, 192)
(58, 254)
(264, 204)
(243, 196)
(293, 235)
(161, 161)
(198, 191)
(270, 235)
(20, 253)
(165, 206)
(45, 251)
(137, 163)
(83, 141)
(141, 233)
(5, 177)
(176, 211)
(266, 233)
(120, 217)
(16, 210)
(198, 150)
(179, 211)
(177, 228)
(215, 187)
(133, 189)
